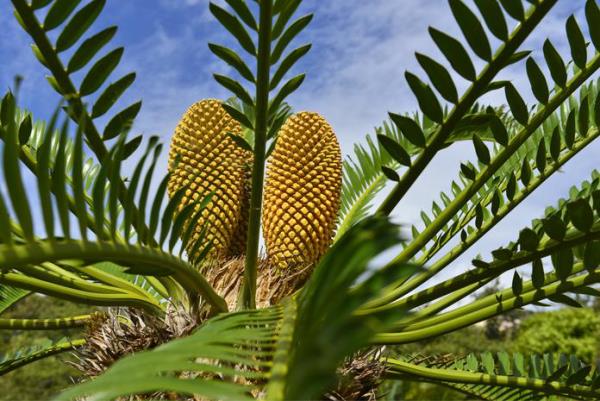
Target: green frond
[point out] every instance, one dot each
(479, 83)
(9, 296)
(568, 237)
(549, 286)
(117, 273)
(552, 288)
(363, 178)
(232, 356)
(35, 264)
(224, 360)
(502, 376)
(73, 24)
(39, 144)
(494, 205)
(363, 175)
(545, 152)
(574, 223)
(15, 360)
(328, 326)
(507, 189)
(482, 181)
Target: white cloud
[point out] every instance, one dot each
(181, 3)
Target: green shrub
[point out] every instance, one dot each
(569, 331)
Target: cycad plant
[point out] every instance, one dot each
(174, 273)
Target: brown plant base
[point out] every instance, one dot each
(359, 377)
(123, 331)
(273, 284)
(120, 332)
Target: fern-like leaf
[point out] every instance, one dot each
(502, 376)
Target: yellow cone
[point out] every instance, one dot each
(302, 192)
(210, 162)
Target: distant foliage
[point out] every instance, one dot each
(567, 331)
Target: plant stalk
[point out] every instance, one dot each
(190, 279)
(54, 350)
(398, 370)
(459, 249)
(484, 313)
(80, 296)
(572, 239)
(491, 299)
(45, 324)
(260, 144)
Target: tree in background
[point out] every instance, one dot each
(568, 331)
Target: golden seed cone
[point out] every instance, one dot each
(210, 162)
(302, 192)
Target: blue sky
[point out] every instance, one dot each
(355, 76)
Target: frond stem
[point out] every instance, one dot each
(396, 370)
(57, 277)
(191, 280)
(260, 144)
(54, 350)
(80, 296)
(45, 324)
(484, 175)
(547, 247)
(502, 306)
(114, 281)
(460, 248)
(487, 301)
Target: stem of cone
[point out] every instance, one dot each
(260, 141)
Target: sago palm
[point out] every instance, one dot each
(174, 272)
